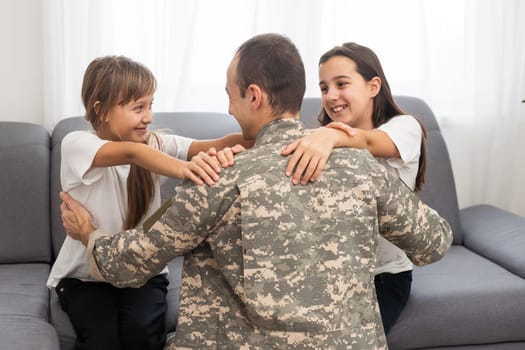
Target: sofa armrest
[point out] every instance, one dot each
(495, 234)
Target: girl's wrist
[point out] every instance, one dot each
(342, 127)
(339, 138)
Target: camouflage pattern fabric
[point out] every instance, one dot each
(270, 265)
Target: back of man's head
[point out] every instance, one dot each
(272, 62)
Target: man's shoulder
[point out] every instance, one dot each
(353, 158)
(259, 158)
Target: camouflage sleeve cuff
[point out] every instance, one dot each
(94, 271)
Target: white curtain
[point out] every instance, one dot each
(496, 159)
(465, 58)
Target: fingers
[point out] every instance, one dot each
(202, 168)
(308, 158)
(74, 208)
(66, 199)
(238, 148)
(225, 157)
(205, 166)
(65, 211)
(68, 219)
(290, 148)
(309, 169)
(209, 163)
(299, 161)
(212, 152)
(319, 169)
(63, 207)
(187, 173)
(304, 169)
(292, 162)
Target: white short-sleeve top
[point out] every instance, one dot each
(103, 191)
(406, 133)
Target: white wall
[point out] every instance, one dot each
(21, 61)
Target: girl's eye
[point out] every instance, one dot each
(138, 108)
(324, 89)
(342, 84)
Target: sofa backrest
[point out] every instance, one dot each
(439, 190)
(198, 125)
(24, 193)
(64, 127)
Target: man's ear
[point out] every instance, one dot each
(375, 86)
(255, 95)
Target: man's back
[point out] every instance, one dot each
(304, 246)
(287, 264)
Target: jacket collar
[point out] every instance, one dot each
(280, 130)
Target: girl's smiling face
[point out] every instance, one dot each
(128, 122)
(346, 96)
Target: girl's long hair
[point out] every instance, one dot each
(385, 108)
(117, 80)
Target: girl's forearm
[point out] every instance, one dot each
(122, 152)
(158, 162)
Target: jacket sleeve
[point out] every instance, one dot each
(132, 257)
(410, 224)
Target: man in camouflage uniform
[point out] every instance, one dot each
(270, 265)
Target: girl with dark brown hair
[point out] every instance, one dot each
(357, 100)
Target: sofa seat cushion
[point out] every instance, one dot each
(23, 290)
(27, 333)
(60, 320)
(463, 299)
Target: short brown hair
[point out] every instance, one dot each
(272, 62)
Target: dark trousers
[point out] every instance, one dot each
(392, 291)
(107, 317)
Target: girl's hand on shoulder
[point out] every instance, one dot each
(226, 155)
(206, 166)
(310, 154)
(203, 168)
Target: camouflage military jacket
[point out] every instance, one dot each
(270, 265)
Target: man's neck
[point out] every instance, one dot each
(288, 115)
(275, 130)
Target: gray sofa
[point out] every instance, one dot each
(473, 298)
